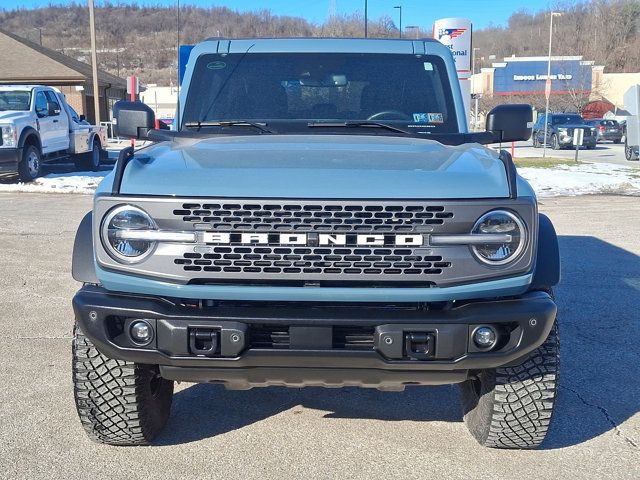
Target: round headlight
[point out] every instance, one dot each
(117, 225)
(500, 222)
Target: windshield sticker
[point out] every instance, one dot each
(420, 118)
(216, 65)
(435, 117)
(428, 66)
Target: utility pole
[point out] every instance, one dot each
(473, 88)
(94, 64)
(399, 7)
(547, 89)
(366, 8)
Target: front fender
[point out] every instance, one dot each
(82, 265)
(547, 269)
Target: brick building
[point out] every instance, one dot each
(27, 63)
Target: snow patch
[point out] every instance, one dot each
(583, 179)
(76, 182)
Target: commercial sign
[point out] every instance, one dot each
(529, 76)
(456, 34)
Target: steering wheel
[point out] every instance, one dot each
(393, 114)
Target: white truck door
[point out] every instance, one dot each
(60, 122)
(45, 122)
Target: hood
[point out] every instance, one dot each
(10, 115)
(315, 166)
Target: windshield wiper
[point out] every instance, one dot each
(359, 124)
(229, 123)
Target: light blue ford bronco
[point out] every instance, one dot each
(320, 216)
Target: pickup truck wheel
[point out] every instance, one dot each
(512, 407)
(29, 167)
(89, 161)
(118, 402)
(536, 143)
(555, 144)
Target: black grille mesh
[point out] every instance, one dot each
(295, 217)
(317, 260)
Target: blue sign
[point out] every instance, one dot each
(528, 77)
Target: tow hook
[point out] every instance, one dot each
(418, 345)
(204, 341)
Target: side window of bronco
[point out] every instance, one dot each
(41, 105)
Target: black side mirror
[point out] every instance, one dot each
(510, 123)
(53, 109)
(133, 119)
(82, 118)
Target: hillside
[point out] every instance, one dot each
(132, 37)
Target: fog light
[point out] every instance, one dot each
(485, 337)
(141, 332)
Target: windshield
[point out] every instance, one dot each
(567, 120)
(19, 100)
(289, 91)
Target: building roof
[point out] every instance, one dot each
(26, 62)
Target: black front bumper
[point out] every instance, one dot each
(9, 158)
(298, 344)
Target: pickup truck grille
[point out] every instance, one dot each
(296, 217)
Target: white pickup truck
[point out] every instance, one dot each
(38, 125)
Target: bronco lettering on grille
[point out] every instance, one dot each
(311, 239)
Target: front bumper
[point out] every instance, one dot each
(9, 158)
(300, 344)
(567, 141)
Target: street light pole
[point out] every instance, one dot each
(547, 89)
(473, 88)
(366, 7)
(399, 7)
(94, 65)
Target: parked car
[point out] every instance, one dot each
(560, 128)
(320, 216)
(608, 130)
(38, 125)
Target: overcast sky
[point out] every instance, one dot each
(414, 12)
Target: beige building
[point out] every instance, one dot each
(163, 100)
(27, 63)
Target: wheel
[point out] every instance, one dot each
(591, 147)
(617, 141)
(630, 152)
(555, 144)
(512, 407)
(118, 402)
(89, 161)
(29, 167)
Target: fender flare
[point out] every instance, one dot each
(547, 269)
(82, 266)
(26, 132)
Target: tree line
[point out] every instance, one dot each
(132, 37)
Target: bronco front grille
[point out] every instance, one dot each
(327, 260)
(296, 217)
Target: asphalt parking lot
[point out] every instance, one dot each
(314, 433)
(605, 152)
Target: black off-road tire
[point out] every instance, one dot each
(555, 143)
(512, 407)
(90, 161)
(29, 167)
(118, 402)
